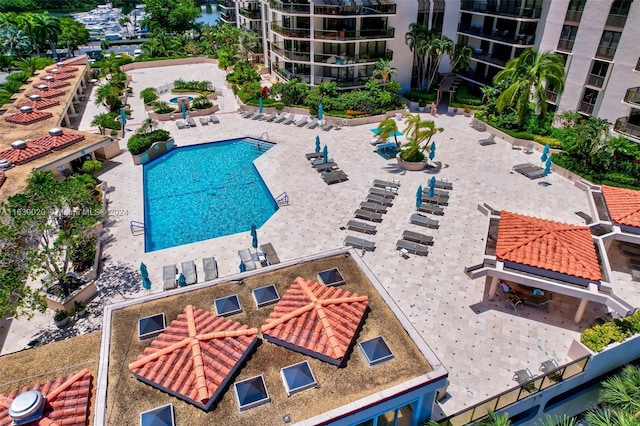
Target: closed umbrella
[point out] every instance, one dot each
(146, 283)
(317, 144)
(123, 117)
(184, 111)
(260, 107)
(320, 112)
(547, 167)
(419, 196)
(243, 268)
(143, 271)
(432, 183)
(432, 191)
(545, 153)
(325, 153)
(182, 280)
(432, 151)
(254, 237)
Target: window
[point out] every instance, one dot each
(398, 417)
(576, 5)
(567, 37)
(598, 73)
(620, 7)
(588, 102)
(608, 44)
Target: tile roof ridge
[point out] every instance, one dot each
(306, 287)
(143, 359)
(222, 334)
(328, 329)
(196, 355)
(350, 299)
(272, 324)
(64, 386)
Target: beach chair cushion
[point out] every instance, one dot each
(359, 243)
(169, 277)
(210, 268)
(189, 272)
(365, 228)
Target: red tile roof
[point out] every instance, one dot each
(545, 244)
(58, 141)
(196, 356)
(316, 319)
(42, 103)
(62, 68)
(67, 401)
(48, 93)
(623, 205)
(53, 84)
(60, 76)
(26, 118)
(21, 156)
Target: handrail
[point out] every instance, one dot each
(282, 199)
(264, 134)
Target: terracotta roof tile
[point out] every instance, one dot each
(67, 400)
(42, 103)
(47, 93)
(56, 84)
(623, 205)
(26, 118)
(196, 356)
(59, 76)
(63, 68)
(54, 142)
(24, 155)
(316, 319)
(545, 244)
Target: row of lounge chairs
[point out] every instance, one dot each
(170, 273)
(529, 170)
(267, 256)
(329, 170)
(287, 119)
(414, 242)
(190, 122)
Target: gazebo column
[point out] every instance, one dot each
(493, 288)
(580, 311)
(72, 108)
(66, 120)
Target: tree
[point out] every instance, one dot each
(161, 44)
(460, 57)
(92, 166)
(109, 95)
(619, 400)
(14, 41)
(73, 34)
(102, 121)
(528, 76)
(415, 39)
(47, 30)
(246, 45)
(149, 124)
(387, 128)
(418, 133)
(124, 22)
(148, 95)
(434, 49)
(172, 16)
(384, 70)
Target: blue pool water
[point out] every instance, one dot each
(175, 100)
(204, 191)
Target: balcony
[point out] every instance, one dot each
(573, 16)
(354, 35)
(492, 8)
(294, 8)
(490, 58)
(616, 21)
(251, 14)
(495, 34)
(622, 126)
(565, 45)
(605, 52)
(369, 8)
(552, 97)
(291, 55)
(291, 32)
(229, 18)
(595, 81)
(288, 75)
(633, 96)
(586, 108)
(476, 77)
(351, 60)
(227, 4)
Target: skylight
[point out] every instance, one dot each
(298, 377)
(227, 305)
(151, 326)
(376, 351)
(265, 295)
(331, 277)
(161, 416)
(251, 393)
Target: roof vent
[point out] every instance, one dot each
(56, 131)
(34, 97)
(19, 144)
(42, 87)
(54, 71)
(48, 78)
(26, 109)
(27, 407)
(4, 164)
(59, 64)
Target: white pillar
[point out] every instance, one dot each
(580, 311)
(493, 288)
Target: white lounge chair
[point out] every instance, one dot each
(214, 119)
(169, 277)
(189, 272)
(210, 268)
(247, 259)
(204, 121)
(314, 123)
(270, 254)
(303, 121)
(281, 118)
(289, 120)
(491, 140)
(359, 243)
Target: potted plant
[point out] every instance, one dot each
(422, 104)
(467, 111)
(61, 318)
(418, 133)
(80, 308)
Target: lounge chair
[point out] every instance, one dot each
(442, 184)
(270, 117)
(516, 145)
(529, 169)
(258, 116)
(169, 277)
(535, 174)
(382, 192)
(319, 161)
(204, 121)
(442, 200)
(314, 123)
(412, 247)
(373, 207)
(248, 114)
(488, 141)
(210, 268)
(372, 198)
(247, 259)
(314, 155)
(359, 243)
(385, 146)
(522, 166)
(180, 125)
(214, 120)
(303, 121)
(189, 272)
(367, 215)
(326, 127)
(289, 120)
(478, 125)
(386, 184)
(417, 237)
(329, 166)
(280, 118)
(422, 220)
(191, 122)
(430, 208)
(528, 149)
(365, 228)
(270, 254)
(336, 176)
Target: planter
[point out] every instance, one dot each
(62, 323)
(421, 108)
(411, 166)
(136, 159)
(84, 294)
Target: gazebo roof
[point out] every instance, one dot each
(58, 141)
(24, 155)
(546, 244)
(623, 205)
(42, 103)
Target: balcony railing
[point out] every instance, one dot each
(586, 108)
(605, 52)
(299, 8)
(227, 4)
(633, 96)
(228, 17)
(505, 9)
(291, 54)
(364, 9)
(251, 14)
(564, 44)
(490, 58)
(551, 96)
(495, 34)
(616, 21)
(291, 32)
(595, 80)
(476, 77)
(354, 35)
(573, 16)
(288, 75)
(623, 126)
(351, 60)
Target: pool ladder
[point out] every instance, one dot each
(264, 134)
(282, 199)
(136, 227)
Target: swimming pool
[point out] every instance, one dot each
(205, 191)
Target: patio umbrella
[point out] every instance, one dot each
(545, 153)
(325, 154)
(419, 196)
(254, 237)
(123, 117)
(432, 191)
(184, 111)
(317, 144)
(143, 271)
(432, 183)
(432, 151)
(146, 283)
(182, 280)
(243, 268)
(547, 166)
(260, 107)
(320, 112)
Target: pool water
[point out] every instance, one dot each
(205, 191)
(175, 100)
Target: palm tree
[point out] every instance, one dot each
(46, 31)
(109, 96)
(148, 125)
(435, 49)
(528, 76)
(247, 42)
(384, 70)
(124, 22)
(102, 121)
(415, 39)
(418, 132)
(460, 57)
(387, 128)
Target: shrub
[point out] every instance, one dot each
(161, 107)
(148, 95)
(548, 140)
(195, 85)
(139, 143)
(79, 306)
(420, 96)
(599, 336)
(60, 315)
(278, 105)
(201, 102)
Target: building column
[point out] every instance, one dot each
(72, 108)
(312, 47)
(66, 120)
(493, 287)
(580, 311)
(430, 17)
(265, 36)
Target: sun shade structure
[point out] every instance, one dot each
(151, 326)
(376, 351)
(298, 377)
(66, 402)
(544, 244)
(58, 139)
(195, 357)
(228, 305)
(316, 320)
(251, 393)
(331, 277)
(265, 295)
(27, 115)
(623, 205)
(22, 152)
(161, 416)
(38, 102)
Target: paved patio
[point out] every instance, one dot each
(482, 343)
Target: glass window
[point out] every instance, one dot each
(398, 417)
(568, 32)
(620, 7)
(610, 39)
(599, 68)
(577, 5)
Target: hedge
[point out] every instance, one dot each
(548, 140)
(620, 180)
(599, 336)
(140, 142)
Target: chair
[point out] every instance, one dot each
(516, 145)
(416, 237)
(303, 121)
(431, 208)
(326, 127)
(189, 272)
(514, 301)
(359, 243)
(376, 208)
(320, 161)
(180, 125)
(280, 118)
(314, 155)
(335, 176)
(442, 200)
(386, 184)
(478, 125)
(191, 122)
(488, 141)
(535, 174)
(370, 216)
(522, 166)
(365, 228)
(289, 120)
(169, 277)
(204, 121)
(248, 114)
(372, 198)
(270, 254)
(210, 268)
(247, 259)
(442, 184)
(382, 192)
(528, 149)
(258, 116)
(214, 119)
(314, 123)
(422, 220)
(326, 167)
(270, 117)
(411, 247)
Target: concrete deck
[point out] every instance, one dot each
(481, 342)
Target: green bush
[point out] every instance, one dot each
(519, 134)
(148, 95)
(599, 336)
(202, 102)
(60, 315)
(620, 178)
(195, 85)
(161, 107)
(421, 96)
(278, 105)
(140, 142)
(548, 140)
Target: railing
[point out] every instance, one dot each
(565, 44)
(288, 75)
(300, 8)
(228, 17)
(364, 9)
(623, 126)
(282, 199)
(490, 58)
(354, 35)
(638, 65)
(227, 4)
(586, 108)
(478, 78)
(605, 52)
(616, 21)
(351, 60)
(595, 80)
(251, 14)
(504, 9)
(136, 227)
(291, 32)
(573, 16)
(495, 34)
(291, 54)
(524, 390)
(551, 96)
